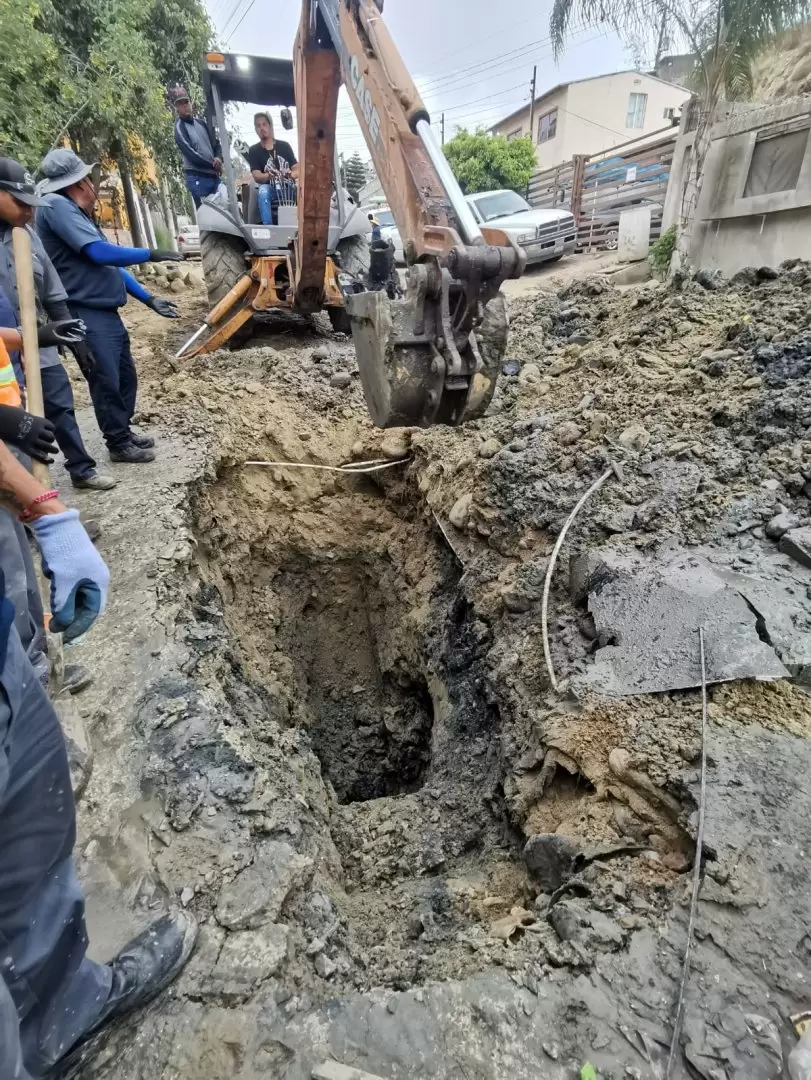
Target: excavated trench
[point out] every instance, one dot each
(345, 607)
(370, 714)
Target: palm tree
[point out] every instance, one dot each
(725, 35)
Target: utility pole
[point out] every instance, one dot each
(532, 105)
(443, 129)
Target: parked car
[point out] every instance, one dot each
(389, 231)
(545, 235)
(188, 242)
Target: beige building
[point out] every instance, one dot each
(592, 115)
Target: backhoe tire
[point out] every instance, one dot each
(223, 260)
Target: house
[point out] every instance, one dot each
(591, 115)
(680, 68)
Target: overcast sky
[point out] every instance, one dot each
(472, 59)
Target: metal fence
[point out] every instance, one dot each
(596, 189)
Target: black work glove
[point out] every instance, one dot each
(84, 357)
(61, 332)
(33, 435)
(161, 255)
(163, 307)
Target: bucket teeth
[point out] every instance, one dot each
(403, 373)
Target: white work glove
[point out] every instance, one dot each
(78, 575)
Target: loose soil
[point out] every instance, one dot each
(323, 717)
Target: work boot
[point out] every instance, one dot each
(131, 454)
(144, 967)
(150, 962)
(146, 442)
(94, 481)
(76, 678)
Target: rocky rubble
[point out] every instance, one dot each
(395, 835)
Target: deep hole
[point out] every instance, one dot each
(369, 726)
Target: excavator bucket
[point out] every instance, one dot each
(412, 376)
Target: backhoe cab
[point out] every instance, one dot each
(431, 358)
(249, 267)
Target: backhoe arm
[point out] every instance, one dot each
(433, 358)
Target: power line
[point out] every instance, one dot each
(499, 60)
(242, 19)
(226, 33)
(487, 97)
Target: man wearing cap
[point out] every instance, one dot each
(17, 199)
(202, 156)
(92, 272)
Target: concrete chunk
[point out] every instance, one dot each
(797, 544)
(248, 958)
(652, 611)
(257, 894)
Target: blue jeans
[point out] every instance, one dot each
(114, 382)
(22, 589)
(60, 410)
(200, 185)
(58, 993)
(268, 202)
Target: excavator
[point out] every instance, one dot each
(431, 356)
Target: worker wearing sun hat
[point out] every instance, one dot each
(93, 274)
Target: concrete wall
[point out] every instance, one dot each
(733, 228)
(728, 245)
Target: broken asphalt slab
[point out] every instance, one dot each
(652, 610)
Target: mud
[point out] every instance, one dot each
(323, 720)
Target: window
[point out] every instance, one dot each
(668, 114)
(516, 134)
(637, 105)
(775, 164)
(548, 126)
(500, 204)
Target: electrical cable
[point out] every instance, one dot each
(551, 567)
(242, 19)
(702, 795)
(345, 470)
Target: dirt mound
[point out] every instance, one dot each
(783, 70)
(358, 772)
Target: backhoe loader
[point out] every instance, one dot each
(431, 357)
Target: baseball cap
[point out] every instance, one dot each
(18, 181)
(61, 168)
(177, 94)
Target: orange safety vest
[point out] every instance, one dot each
(9, 387)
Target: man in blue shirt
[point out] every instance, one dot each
(91, 271)
(52, 996)
(202, 160)
(17, 202)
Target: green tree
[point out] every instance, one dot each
(355, 174)
(34, 90)
(725, 35)
(483, 162)
(95, 72)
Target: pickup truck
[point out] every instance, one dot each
(545, 235)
